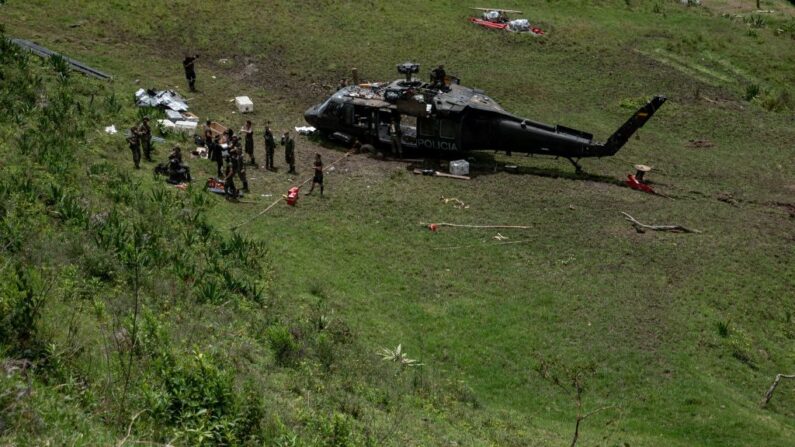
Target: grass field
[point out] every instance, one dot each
(676, 336)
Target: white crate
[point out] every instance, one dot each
(459, 167)
(244, 104)
(167, 124)
(188, 127)
(173, 115)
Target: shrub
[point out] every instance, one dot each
(283, 344)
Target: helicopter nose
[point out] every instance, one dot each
(311, 115)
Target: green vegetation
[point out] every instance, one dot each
(131, 312)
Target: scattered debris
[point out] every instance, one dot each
(431, 172)
(457, 203)
(700, 143)
(111, 129)
(640, 227)
(305, 130)
(292, 195)
(492, 18)
(459, 167)
(167, 99)
(244, 104)
(435, 226)
(44, 52)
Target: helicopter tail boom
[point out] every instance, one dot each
(635, 122)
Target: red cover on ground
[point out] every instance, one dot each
(488, 24)
(633, 183)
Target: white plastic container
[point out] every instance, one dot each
(188, 127)
(168, 124)
(244, 104)
(459, 167)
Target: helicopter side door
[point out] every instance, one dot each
(437, 134)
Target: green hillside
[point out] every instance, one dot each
(134, 313)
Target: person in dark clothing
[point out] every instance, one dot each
(270, 148)
(318, 177)
(248, 138)
(145, 133)
(135, 146)
(229, 181)
(177, 171)
(289, 152)
(216, 154)
(238, 166)
(438, 76)
(190, 70)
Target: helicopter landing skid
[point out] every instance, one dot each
(577, 166)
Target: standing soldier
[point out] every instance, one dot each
(238, 166)
(394, 137)
(248, 138)
(318, 177)
(190, 71)
(208, 134)
(289, 152)
(146, 138)
(229, 180)
(270, 148)
(135, 146)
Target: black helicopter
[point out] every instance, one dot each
(444, 115)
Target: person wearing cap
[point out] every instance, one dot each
(289, 151)
(146, 138)
(270, 148)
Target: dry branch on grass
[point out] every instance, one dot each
(672, 228)
(769, 393)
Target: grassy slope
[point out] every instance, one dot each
(585, 287)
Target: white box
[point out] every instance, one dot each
(244, 104)
(459, 167)
(169, 125)
(188, 127)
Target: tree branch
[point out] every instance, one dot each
(769, 394)
(673, 228)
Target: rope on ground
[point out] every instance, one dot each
(445, 224)
(234, 227)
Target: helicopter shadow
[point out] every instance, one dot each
(485, 164)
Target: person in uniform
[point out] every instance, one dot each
(229, 180)
(190, 70)
(145, 133)
(270, 148)
(438, 76)
(238, 166)
(318, 177)
(289, 152)
(135, 146)
(394, 138)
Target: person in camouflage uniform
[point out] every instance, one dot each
(145, 133)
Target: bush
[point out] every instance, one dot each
(283, 344)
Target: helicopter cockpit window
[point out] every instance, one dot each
(447, 129)
(332, 109)
(428, 127)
